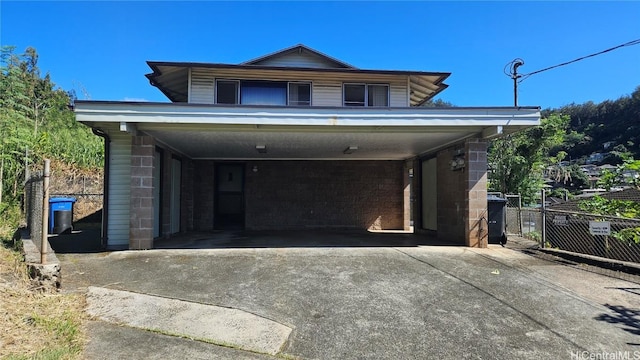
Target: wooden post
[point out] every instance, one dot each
(44, 246)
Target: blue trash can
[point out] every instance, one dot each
(60, 214)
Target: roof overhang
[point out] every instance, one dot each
(239, 132)
(172, 78)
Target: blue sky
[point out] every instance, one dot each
(102, 47)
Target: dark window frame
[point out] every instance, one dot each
(288, 89)
(354, 103)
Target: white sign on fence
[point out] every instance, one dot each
(600, 227)
(560, 220)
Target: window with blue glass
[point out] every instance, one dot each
(257, 92)
(263, 93)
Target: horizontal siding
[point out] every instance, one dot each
(324, 93)
(202, 87)
(398, 95)
(119, 190)
(298, 60)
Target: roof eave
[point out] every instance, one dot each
(155, 64)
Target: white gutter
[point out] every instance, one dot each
(292, 116)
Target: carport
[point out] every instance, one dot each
(174, 168)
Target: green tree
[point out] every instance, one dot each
(33, 112)
(611, 122)
(627, 173)
(517, 161)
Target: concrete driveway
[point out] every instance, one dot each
(379, 302)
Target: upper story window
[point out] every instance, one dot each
(263, 93)
(227, 91)
(299, 94)
(257, 92)
(366, 95)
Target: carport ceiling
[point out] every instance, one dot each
(306, 143)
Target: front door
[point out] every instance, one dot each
(229, 197)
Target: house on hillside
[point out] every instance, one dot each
(294, 140)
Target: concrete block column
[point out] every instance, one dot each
(462, 194)
(476, 224)
(141, 205)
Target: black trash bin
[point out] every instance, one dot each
(497, 219)
(60, 215)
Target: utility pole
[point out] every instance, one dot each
(515, 64)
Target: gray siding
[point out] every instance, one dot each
(398, 95)
(304, 60)
(119, 190)
(202, 87)
(324, 92)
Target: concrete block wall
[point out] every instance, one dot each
(462, 195)
(141, 197)
(341, 194)
(476, 226)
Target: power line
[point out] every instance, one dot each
(524, 76)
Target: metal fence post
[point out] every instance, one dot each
(520, 222)
(543, 216)
(44, 247)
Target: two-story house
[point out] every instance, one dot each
(294, 140)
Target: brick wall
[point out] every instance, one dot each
(303, 194)
(141, 210)
(346, 194)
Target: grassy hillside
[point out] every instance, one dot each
(36, 122)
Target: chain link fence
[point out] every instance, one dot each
(604, 236)
(567, 227)
(514, 219)
(86, 189)
(522, 221)
(531, 223)
(33, 194)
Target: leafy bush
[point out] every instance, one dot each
(620, 208)
(601, 206)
